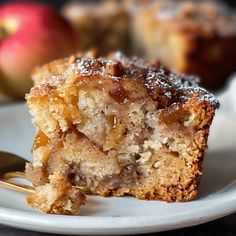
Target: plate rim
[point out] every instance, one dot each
(116, 225)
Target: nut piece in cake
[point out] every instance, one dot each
(117, 126)
(188, 36)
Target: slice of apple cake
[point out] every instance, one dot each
(115, 126)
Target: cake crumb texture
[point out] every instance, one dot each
(116, 126)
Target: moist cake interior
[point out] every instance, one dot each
(119, 126)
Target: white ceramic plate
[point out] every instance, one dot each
(217, 195)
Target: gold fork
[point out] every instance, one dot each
(12, 166)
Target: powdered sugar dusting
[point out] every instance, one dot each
(94, 67)
(88, 67)
(164, 86)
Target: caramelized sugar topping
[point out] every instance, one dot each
(163, 86)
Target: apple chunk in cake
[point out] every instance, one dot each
(118, 126)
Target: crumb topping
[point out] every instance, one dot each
(163, 86)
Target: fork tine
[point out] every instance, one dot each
(14, 174)
(16, 186)
(13, 185)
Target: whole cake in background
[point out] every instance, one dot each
(100, 25)
(190, 37)
(193, 37)
(115, 126)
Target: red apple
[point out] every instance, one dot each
(30, 34)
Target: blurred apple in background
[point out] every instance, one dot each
(30, 34)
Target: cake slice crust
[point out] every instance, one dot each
(118, 126)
